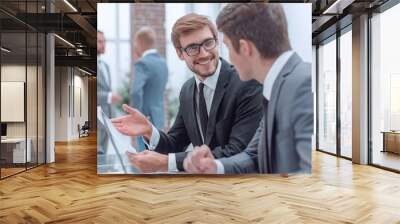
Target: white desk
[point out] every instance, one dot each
(19, 149)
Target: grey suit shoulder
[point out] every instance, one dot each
(290, 127)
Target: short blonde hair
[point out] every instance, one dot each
(188, 24)
(146, 35)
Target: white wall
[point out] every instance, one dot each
(61, 110)
(16, 73)
(80, 83)
(33, 125)
(68, 83)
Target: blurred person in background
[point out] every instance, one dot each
(105, 95)
(149, 79)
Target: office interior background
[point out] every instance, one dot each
(48, 84)
(48, 76)
(358, 85)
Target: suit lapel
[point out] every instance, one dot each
(270, 119)
(262, 162)
(218, 96)
(286, 70)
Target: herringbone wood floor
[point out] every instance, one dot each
(70, 191)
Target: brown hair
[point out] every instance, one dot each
(188, 24)
(264, 24)
(146, 35)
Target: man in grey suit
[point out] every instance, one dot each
(105, 96)
(257, 38)
(150, 78)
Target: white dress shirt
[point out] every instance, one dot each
(149, 51)
(267, 87)
(210, 84)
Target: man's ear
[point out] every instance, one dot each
(245, 47)
(179, 53)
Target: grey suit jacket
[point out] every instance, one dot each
(103, 90)
(148, 87)
(103, 87)
(285, 147)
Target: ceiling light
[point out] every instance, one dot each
(337, 7)
(65, 41)
(84, 71)
(5, 50)
(70, 5)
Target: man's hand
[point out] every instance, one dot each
(133, 124)
(200, 160)
(149, 161)
(115, 98)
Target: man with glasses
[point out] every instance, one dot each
(216, 108)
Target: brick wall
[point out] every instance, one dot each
(150, 14)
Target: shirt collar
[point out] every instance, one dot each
(274, 72)
(149, 51)
(211, 81)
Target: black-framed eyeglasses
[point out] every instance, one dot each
(194, 49)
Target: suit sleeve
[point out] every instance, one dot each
(246, 161)
(248, 114)
(303, 120)
(139, 81)
(177, 138)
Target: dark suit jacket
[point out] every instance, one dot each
(235, 114)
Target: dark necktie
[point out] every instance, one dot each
(203, 110)
(267, 155)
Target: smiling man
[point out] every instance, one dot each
(216, 109)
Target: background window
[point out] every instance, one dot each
(385, 87)
(327, 97)
(346, 94)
